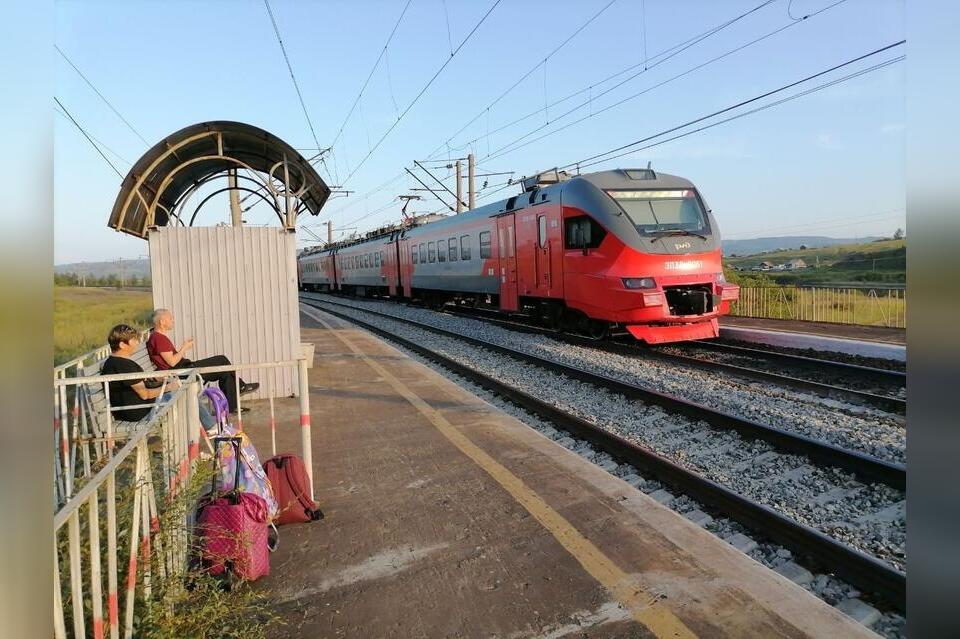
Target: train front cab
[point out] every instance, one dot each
(662, 284)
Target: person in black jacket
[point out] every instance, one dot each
(124, 341)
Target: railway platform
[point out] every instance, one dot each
(864, 341)
(446, 517)
(881, 334)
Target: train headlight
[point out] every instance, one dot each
(635, 283)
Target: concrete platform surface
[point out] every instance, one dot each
(827, 329)
(445, 517)
(791, 339)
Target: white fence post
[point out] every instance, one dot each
(305, 421)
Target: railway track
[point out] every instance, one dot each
(864, 571)
(892, 381)
(864, 467)
(755, 364)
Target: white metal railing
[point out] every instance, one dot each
(176, 423)
(90, 471)
(842, 305)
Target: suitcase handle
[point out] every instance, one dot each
(221, 407)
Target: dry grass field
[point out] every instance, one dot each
(82, 317)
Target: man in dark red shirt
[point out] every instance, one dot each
(165, 355)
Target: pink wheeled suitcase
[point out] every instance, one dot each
(233, 528)
(245, 463)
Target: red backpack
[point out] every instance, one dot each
(291, 487)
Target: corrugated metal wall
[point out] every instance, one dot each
(234, 290)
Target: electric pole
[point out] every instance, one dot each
(329, 232)
(235, 213)
(471, 170)
(459, 188)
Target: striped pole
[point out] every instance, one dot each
(305, 441)
(134, 547)
(96, 580)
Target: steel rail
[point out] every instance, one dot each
(860, 569)
(880, 375)
(865, 467)
(883, 402)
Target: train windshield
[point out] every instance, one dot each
(663, 212)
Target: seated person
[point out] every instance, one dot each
(124, 341)
(165, 356)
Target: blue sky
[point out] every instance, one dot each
(830, 163)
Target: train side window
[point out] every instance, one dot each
(452, 248)
(485, 245)
(464, 247)
(432, 251)
(376, 259)
(542, 230)
(423, 254)
(413, 253)
(582, 232)
(441, 251)
(381, 260)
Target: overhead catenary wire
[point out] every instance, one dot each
(526, 75)
(62, 114)
(591, 160)
(608, 155)
(648, 64)
(102, 97)
(440, 182)
(515, 144)
(89, 139)
(296, 86)
(660, 57)
(432, 191)
(373, 69)
(422, 91)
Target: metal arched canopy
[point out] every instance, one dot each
(155, 184)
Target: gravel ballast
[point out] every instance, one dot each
(867, 430)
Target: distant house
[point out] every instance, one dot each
(794, 265)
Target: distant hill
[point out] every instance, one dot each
(883, 262)
(131, 268)
(757, 245)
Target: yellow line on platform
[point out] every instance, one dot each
(644, 607)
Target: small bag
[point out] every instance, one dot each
(233, 530)
(246, 463)
(291, 484)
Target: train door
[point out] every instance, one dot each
(526, 242)
(388, 267)
(549, 252)
(507, 256)
(393, 252)
(542, 252)
(406, 267)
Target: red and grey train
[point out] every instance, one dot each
(628, 248)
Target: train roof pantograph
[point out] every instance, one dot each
(163, 179)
